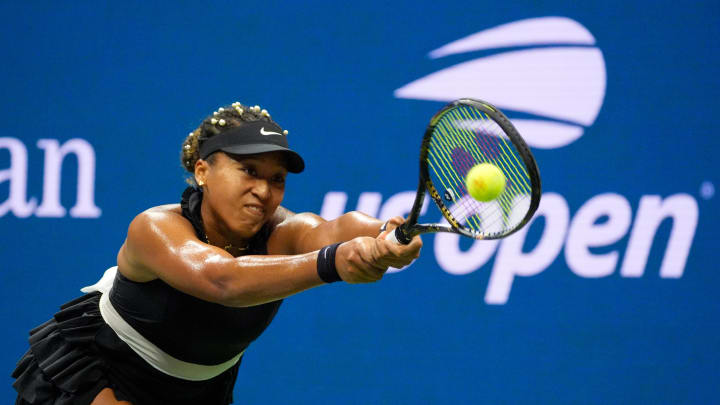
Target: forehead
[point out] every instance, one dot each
(271, 160)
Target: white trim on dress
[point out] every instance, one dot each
(152, 354)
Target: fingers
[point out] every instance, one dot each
(393, 223)
(364, 260)
(415, 246)
(355, 261)
(411, 249)
(397, 221)
(397, 255)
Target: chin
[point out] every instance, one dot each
(248, 229)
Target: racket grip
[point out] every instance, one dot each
(398, 236)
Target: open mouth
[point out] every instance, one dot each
(255, 210)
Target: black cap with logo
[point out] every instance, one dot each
(251, 138)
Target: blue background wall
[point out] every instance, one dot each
(133, 79)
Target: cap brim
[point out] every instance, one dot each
(295, 163)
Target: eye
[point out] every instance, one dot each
(249, 170)
(278, 179)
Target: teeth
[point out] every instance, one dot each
(256, 210)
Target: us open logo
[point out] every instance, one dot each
(558, 81)
(549, 78)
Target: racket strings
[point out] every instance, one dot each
(464, 137)
(488, 131)
(481, 217)
(474, 212)
(498, 154)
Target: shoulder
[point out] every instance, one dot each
(157, 218)
(152, 232)
(163, 210)
(288, 230)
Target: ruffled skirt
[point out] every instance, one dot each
(74, 355)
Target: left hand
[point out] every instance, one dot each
(364, 259)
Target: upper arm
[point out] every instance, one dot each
(293, 234)
(162, 244)
(306, 232)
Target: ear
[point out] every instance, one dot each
(201, 171)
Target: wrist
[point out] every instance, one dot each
(326, 264)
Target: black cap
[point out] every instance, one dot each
(251, 138)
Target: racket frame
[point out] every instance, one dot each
(411, 228)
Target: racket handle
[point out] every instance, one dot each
(398, 236)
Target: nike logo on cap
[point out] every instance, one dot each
(264, 132)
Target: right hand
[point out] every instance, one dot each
(365, 259)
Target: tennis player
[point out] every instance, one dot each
(197, 282)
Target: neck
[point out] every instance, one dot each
(230, 248)
(215, 236)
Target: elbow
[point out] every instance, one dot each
(219, 292)
(352, 220)
(230, 296)
(357, 216)
(360, 223)
(216, 285)
(230, 291)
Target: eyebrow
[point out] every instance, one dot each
(280, 167)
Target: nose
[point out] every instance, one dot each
(261, 189)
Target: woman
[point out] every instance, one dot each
(195, 283)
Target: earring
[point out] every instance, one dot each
(200, 183)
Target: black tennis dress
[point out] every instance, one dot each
(76, 354)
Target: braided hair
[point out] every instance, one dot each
(224, 118)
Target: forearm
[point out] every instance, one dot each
(347, 226)
(254, 280)
(354, 224)
(260, 279)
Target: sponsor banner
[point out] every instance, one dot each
(16, 176)
(564, 88)
(576, 235)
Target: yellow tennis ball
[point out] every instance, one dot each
(485, 182)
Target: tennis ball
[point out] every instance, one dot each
(485, 182)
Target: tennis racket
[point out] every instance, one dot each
(461, 135)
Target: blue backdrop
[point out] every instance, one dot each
(609, 296)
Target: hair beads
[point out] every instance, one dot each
(220, 120)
